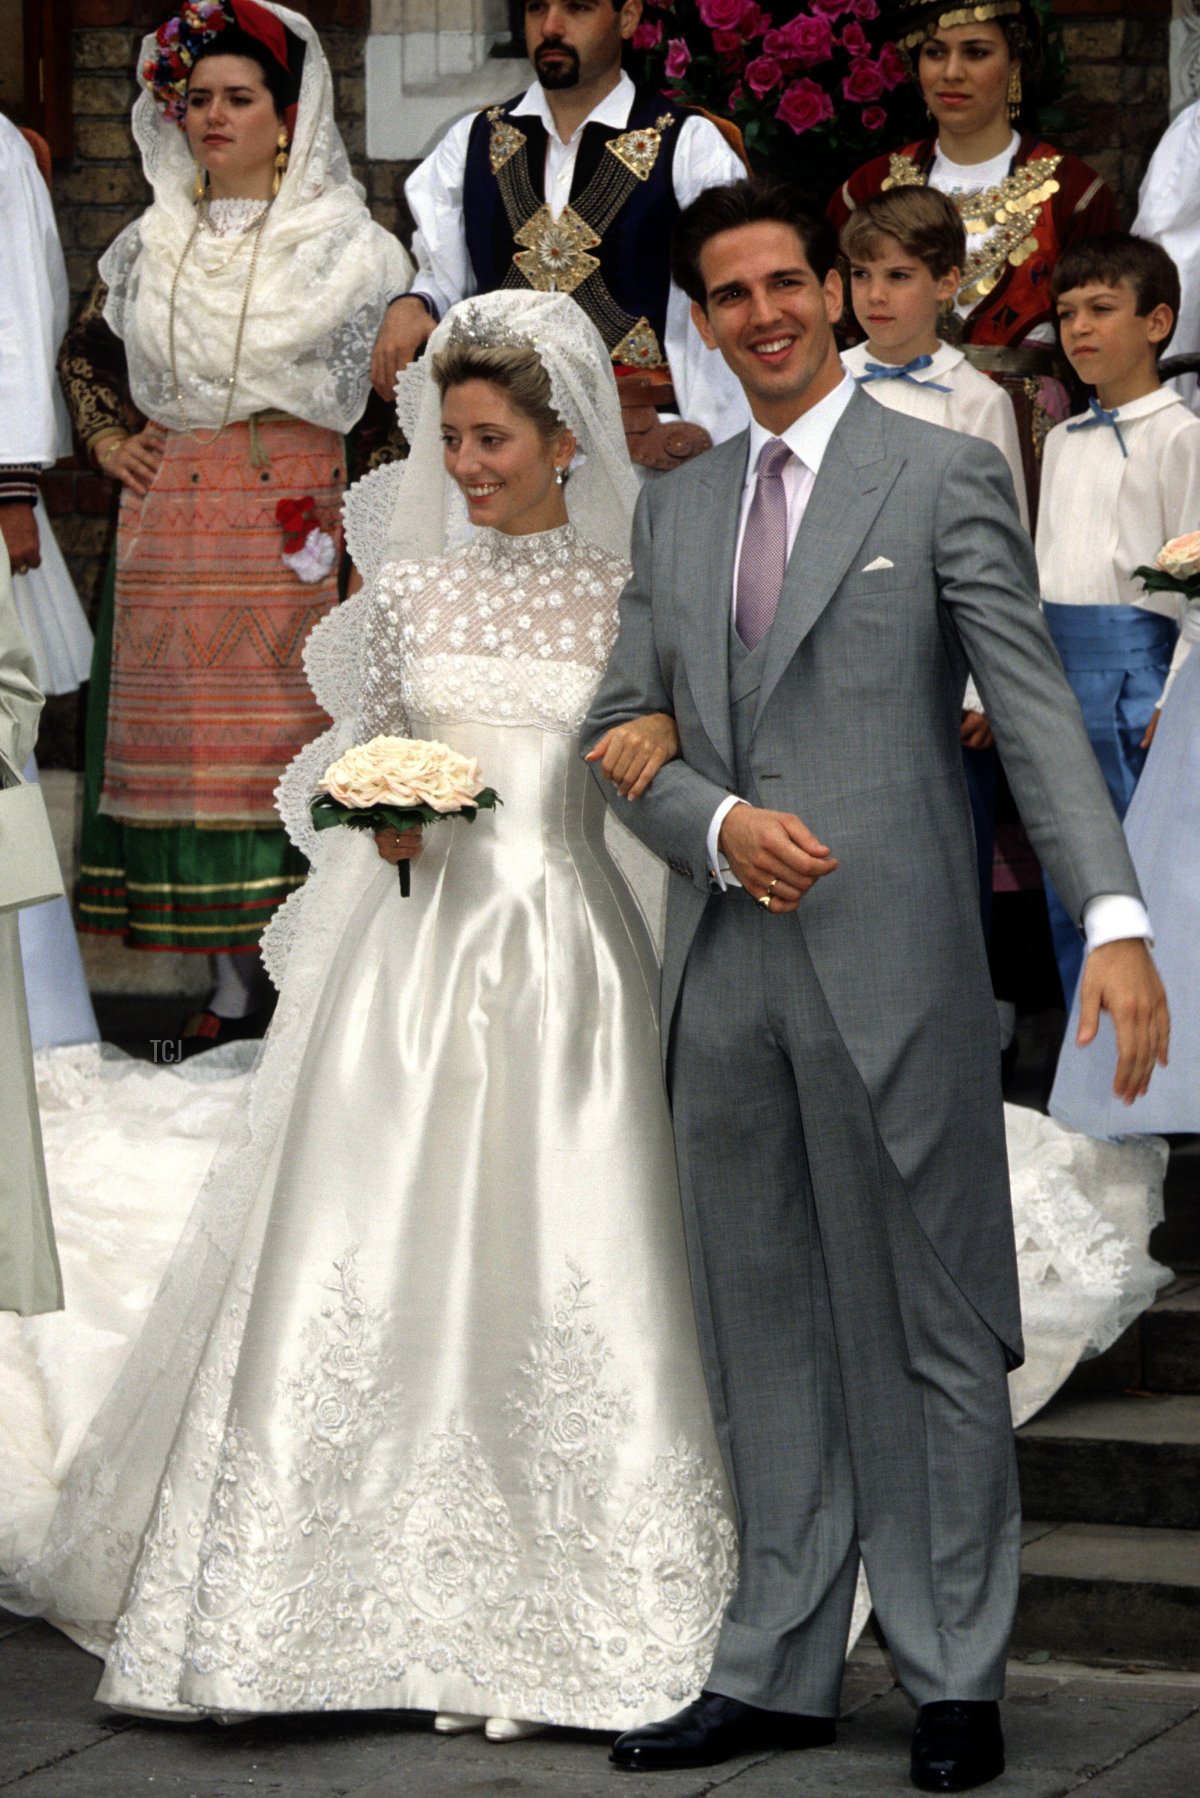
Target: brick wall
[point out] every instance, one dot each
(1118, 59)
(1119, 67)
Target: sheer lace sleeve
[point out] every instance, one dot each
(382, 708)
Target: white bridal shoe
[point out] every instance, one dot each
(456, 1723)
(510, 1729)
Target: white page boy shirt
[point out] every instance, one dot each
(1102, 513)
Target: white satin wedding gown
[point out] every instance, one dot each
(423, 1374)
(425, 1383)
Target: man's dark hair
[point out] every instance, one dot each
(758, 200)
(1114, 256)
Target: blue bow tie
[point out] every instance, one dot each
(1100, 417)
(891, 371)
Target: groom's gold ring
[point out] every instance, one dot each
(765, 900)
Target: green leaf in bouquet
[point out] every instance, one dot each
(1156, 580)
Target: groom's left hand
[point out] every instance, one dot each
(1121, 978)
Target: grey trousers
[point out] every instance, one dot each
(860, 1401)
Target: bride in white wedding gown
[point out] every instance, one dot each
(416, 1419)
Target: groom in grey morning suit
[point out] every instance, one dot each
(833, 1059)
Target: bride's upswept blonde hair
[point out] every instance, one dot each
(514, 369)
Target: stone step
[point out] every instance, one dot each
(1170, 1338)
(1176, 1241)
(1160, 1352)
(1100, 1592)
(1128, 1459)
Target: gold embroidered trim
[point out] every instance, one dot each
(555, 258)
(92, 391)
(902, 172)
(505, 139)
(1007, 214)
(639, 348)
(556, 254)
(638, 150)
(960, 15)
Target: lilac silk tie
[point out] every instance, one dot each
(764, 547)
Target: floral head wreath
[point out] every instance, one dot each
(181, 39)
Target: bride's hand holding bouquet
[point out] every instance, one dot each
(394, 786)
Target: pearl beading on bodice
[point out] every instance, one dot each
(507, 630)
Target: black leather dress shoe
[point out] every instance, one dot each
(714, 1728)
(957, 1745)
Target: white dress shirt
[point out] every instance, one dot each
(808, 439)
(1107, 917)
(708, 394)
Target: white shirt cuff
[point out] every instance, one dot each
(718, 867)
(1111, 917)
(971, 700)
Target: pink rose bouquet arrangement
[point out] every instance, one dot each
(1176, 568)
(808, 84)
(400, 783)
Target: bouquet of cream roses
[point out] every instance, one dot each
(399, 783)
(1176, 568)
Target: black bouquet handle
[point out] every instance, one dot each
(327, 812)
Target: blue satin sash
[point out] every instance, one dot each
(1116, 659)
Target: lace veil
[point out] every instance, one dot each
(414, 509)
(324, 274)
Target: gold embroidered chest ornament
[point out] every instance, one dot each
(1005, 215)
(555, 252)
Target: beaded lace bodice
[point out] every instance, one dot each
(508, 630)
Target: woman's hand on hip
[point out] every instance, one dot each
(399, 845)
(134, 461)
(631, 754)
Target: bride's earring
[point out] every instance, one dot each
(1014, 93)
(560, 475)
(281, 160)
(198, 185)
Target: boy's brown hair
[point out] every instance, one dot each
(1113, 256)
(926, 224)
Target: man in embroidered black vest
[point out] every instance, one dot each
(574, 187)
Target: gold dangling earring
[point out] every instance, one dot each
(281, 160)
(198, 185)
(1014, 93)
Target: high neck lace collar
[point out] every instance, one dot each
(533, 547)
(228, 218)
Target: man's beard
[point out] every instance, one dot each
(557, 76)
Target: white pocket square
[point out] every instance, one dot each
(877, 566)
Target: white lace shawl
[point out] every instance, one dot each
(324, 275)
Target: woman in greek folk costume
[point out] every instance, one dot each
(214, 372)
(1022, 201)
